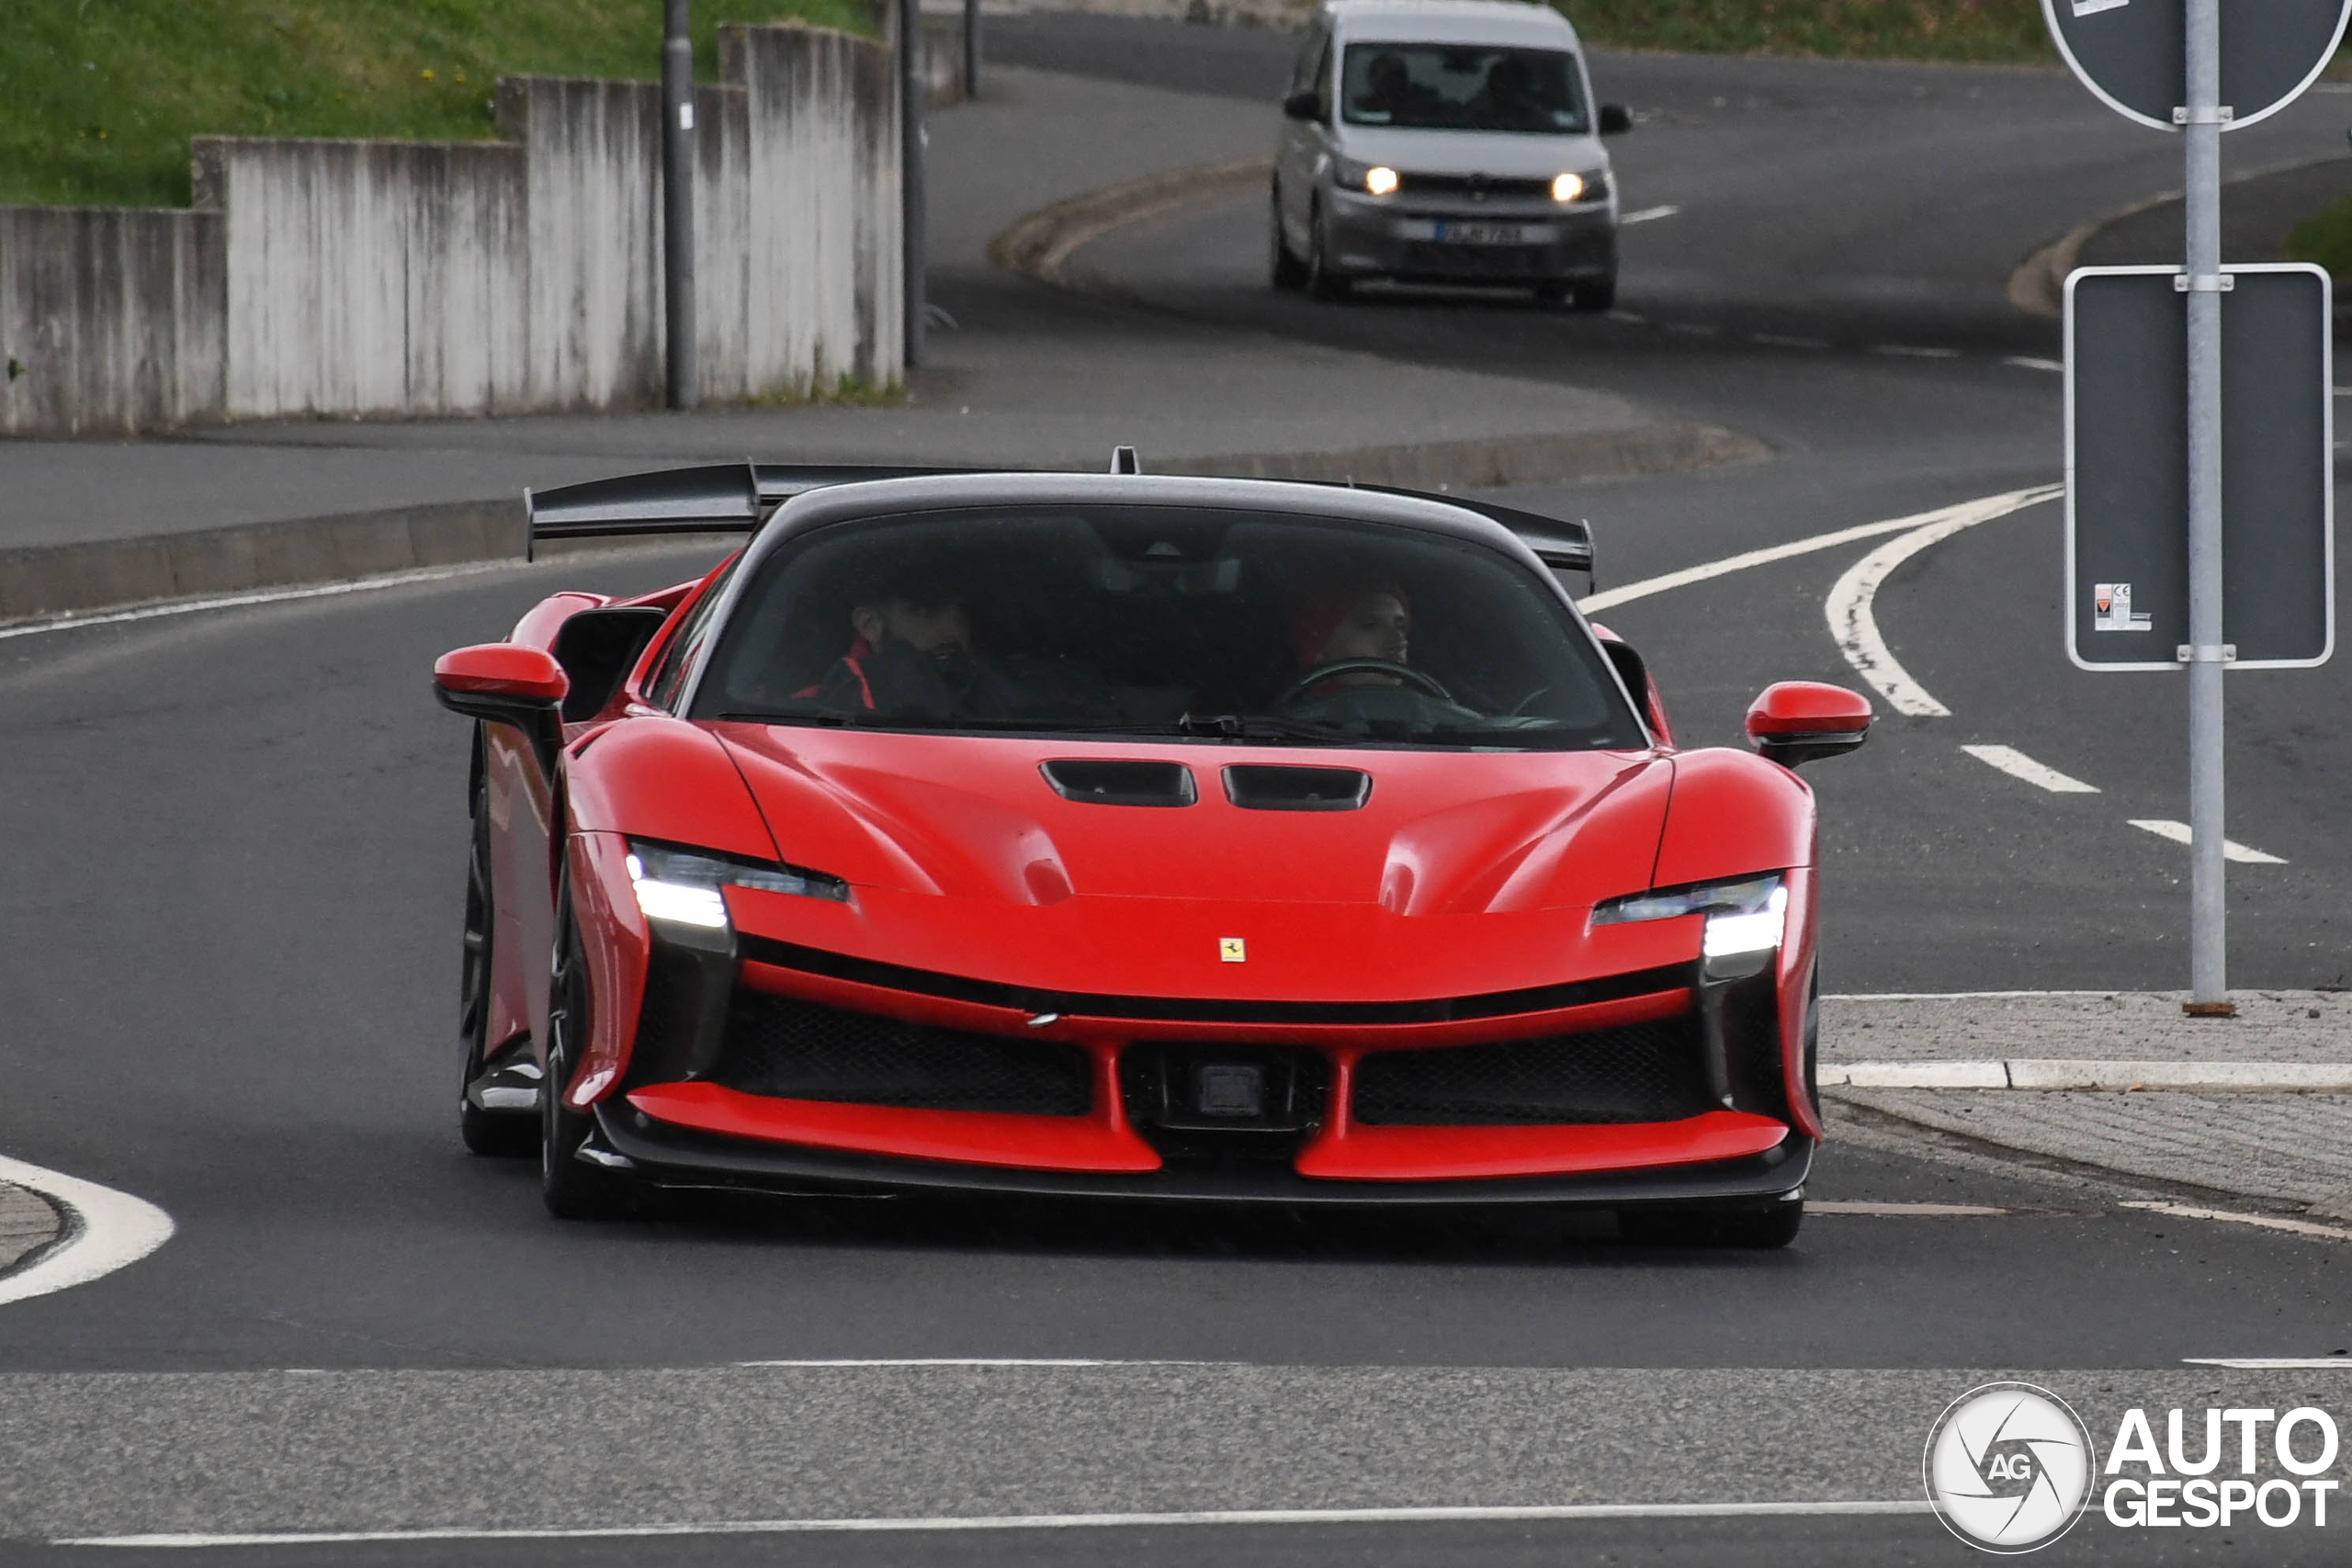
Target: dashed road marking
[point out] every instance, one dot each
(1909, 1211)
(2234, 1217)
(2178, 833)
(105, 1230)
(2272, 1363)
(1649, 215)
(946, 1523)
(1848, 606)
(2017, 765)
(2030, 362)
(1775, 340)
(1913, 351)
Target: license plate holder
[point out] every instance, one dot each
(1448, 231)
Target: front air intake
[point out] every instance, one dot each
(1272, 788)
(1120, 783)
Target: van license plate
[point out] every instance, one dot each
(1479, 234)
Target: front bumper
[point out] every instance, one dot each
(680, 1157)
(760, 1064)
(1401, 238)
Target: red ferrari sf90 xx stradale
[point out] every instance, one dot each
(1128, 836)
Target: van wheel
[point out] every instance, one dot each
(1286, 272)
(1323, 282)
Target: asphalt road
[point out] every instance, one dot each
(228, 959)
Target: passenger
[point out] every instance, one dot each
(1510, 99)
(911, 653)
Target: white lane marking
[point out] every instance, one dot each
(106, 1230)
(1915, 1075)
(1611, 598)
(2178, 833)
(2273, 1363)
(1649, 215)
(1909, 1211)
(332, 590)
(264, 597)
(1629, 318)
(1909, 351)
(1774, 340)
(1694, 329)
(1855, 627)
(2017, 765)
(2088, 1073)
(2030, 362)
(2261, 1222)
(1952, 996)
(1033, 1521)
(969, 1362)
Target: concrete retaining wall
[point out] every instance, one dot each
(111, 318)
(379, 277)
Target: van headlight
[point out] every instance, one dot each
(681, 886)
(1745, 918)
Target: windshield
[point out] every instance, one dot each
(1169, 621)
(1463, 88)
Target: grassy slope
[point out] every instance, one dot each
(99, 98)
(2324, 238)
(1901, 29)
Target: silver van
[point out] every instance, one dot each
(1445, 141)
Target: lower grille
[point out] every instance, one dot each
(796, 1049)
(1476, 261)
(1644, 1072)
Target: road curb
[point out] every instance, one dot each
(56, 580)
(2026, 1074)
(29, 1227)
(1036, 245)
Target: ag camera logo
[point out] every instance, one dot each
(2008, 1467)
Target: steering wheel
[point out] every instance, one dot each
(1339, 667)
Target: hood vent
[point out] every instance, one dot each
(1121, 783)
(1272, 787)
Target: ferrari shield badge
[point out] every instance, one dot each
(1232, 950)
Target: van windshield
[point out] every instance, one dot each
(1434, 86)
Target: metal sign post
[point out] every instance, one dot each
(913, 302)
(2168, 63)
(683, 375)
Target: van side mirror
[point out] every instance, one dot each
(1616, 119)
(1802, 721)
(1307, 105)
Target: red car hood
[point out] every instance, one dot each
(1461, 874)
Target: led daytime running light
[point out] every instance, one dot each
(1743, 917)
(685, 886)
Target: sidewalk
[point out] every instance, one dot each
(2282, 1146)
(1018, 375)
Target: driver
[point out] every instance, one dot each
(1363, 621)
(911, 653)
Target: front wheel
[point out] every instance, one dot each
(1285, 271)
(574, 1188)
(500, 1134)
(1323, 280)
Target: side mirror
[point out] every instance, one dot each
(597, 649)
(502, 682)
(1616, 119)
(1802, 721)
(1306, 105)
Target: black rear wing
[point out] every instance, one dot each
(723, 498)
(737, 497)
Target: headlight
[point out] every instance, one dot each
(681, 886)
(1593, 187)
(1380, 179)
(1747, 916)
(1377, 178)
